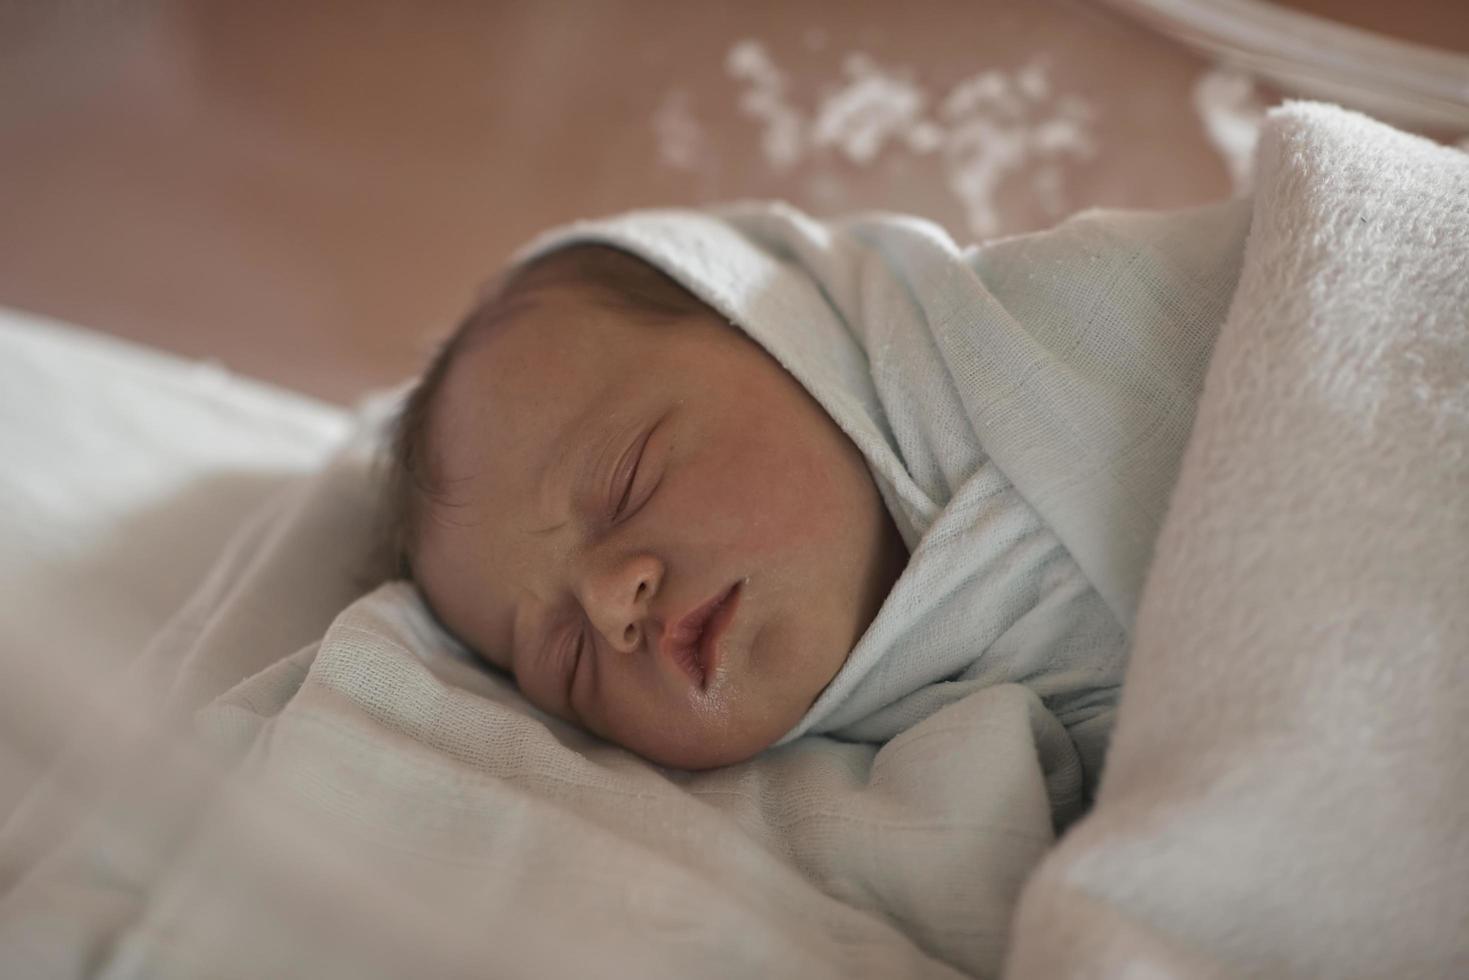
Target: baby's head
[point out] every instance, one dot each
(605, 489)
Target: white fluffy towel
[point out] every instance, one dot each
(1287, 793)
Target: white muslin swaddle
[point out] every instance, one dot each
(1022, 406)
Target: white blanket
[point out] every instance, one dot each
(342, 796)
(124, 473)
(1287, 793)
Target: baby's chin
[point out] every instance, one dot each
(711, 750)
(700, 760)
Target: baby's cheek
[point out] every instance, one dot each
(791, 501)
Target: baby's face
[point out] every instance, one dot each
(652, 526)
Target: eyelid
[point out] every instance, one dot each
(565, 658)
(630, 462)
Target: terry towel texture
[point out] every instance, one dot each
(1288, 792)
(1022, 405)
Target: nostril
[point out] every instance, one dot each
(630, 634)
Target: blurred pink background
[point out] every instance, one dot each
(310, 192)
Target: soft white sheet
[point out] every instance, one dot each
(124, 473)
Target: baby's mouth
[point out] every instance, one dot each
(694, 643)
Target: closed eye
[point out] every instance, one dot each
(578, 650)
(627, 488)
(627, 474)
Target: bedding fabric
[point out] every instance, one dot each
(1287, 793)
(299, 780)
(125, 472)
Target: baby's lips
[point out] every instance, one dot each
(692, 642)
(717, 625)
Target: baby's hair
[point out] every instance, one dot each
(617, 280)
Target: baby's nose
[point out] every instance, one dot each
(618, 599)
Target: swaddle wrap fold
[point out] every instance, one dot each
(1022, 406)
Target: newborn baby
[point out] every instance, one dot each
(708, 481)
(628, 505)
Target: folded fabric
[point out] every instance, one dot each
(1022, 406)
(1287, 794)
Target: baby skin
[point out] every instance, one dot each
(645, 520)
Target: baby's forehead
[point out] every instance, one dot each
(514, 404)
(547, 361)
